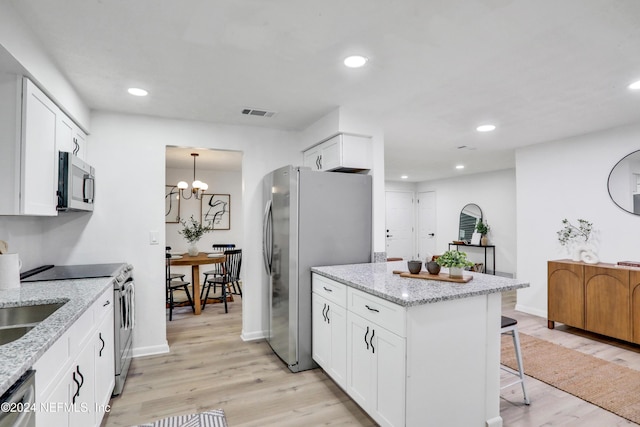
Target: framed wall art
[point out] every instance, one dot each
(171, 205)
(216, 211)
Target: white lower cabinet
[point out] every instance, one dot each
(76, 374)
(364, 358)
(376, 370)
(330, 338)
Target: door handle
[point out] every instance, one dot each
(373, 349)
(365, 338)
(431, 234)
(103, 344)
(372, 309)
(389, 235)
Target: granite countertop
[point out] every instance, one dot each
(378, 279)
(18, 356)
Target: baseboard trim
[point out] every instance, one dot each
(494, 422)
(253, 336)
(151, 350)
(531, 310)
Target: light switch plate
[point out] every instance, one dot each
(153, 238)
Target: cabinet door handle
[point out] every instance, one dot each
(103, 344)
(77, 393)
(327, 289)
(328, 318)
(324, 316)
(372, 309)
(373, 332)
(320, 161)
(106, 303)
(76, 147)
(81, 377)
(365, 338)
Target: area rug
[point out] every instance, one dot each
(212, 418)
(610, 386)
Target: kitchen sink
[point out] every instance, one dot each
(15, 322)
(13, 333)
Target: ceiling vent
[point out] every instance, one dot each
(256, 112)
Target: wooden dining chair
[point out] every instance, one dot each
(228, 281)
(217, 269)
(174, 285)
(174, 276)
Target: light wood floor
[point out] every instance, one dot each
(211, 367)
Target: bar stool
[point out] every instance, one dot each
(510, 326)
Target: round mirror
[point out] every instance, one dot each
(624, 183)
(469, 216)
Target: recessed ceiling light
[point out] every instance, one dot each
(404, 177)
(355, 61)
(634, 85)
(485, 128)
(136, 91)
(459, 166)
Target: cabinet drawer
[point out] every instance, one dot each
(330, 289)
(80, 331)
(381, 312)
(103, 305)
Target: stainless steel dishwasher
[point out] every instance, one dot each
(17, 404)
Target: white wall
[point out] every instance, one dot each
(568, 179)
(220, 182)
(495, 193)
(20, 42)
(128, 153)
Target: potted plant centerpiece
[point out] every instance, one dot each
(483, 228)
(455, 261)
(192, 231)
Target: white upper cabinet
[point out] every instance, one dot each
(28, 158)
(342, 153)
(70, 137)
(39, 171)
(32, 131)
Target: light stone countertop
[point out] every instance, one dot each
(378, 279)
(19, 356)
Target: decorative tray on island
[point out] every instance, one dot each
(443, 277)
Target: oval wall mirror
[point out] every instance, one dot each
(469, 216)
(624, 183)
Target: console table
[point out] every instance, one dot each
(493, 252)
(601, 298)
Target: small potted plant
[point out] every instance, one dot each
(192, 231)
(455, 261)
(577, 240)
(483, 228)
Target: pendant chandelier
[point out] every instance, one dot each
(197, 187)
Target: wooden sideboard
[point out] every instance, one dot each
(601, 298)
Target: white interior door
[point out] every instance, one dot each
(426, 224)
(400, 224)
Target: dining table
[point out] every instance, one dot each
(195, 262)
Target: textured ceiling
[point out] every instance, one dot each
(540, 70)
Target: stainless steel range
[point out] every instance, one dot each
(124, 303)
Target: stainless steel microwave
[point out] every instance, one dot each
(76, 183)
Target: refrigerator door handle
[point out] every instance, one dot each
(267, 237)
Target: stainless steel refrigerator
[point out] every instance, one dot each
(310, 219)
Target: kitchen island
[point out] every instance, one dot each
(411, 352)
